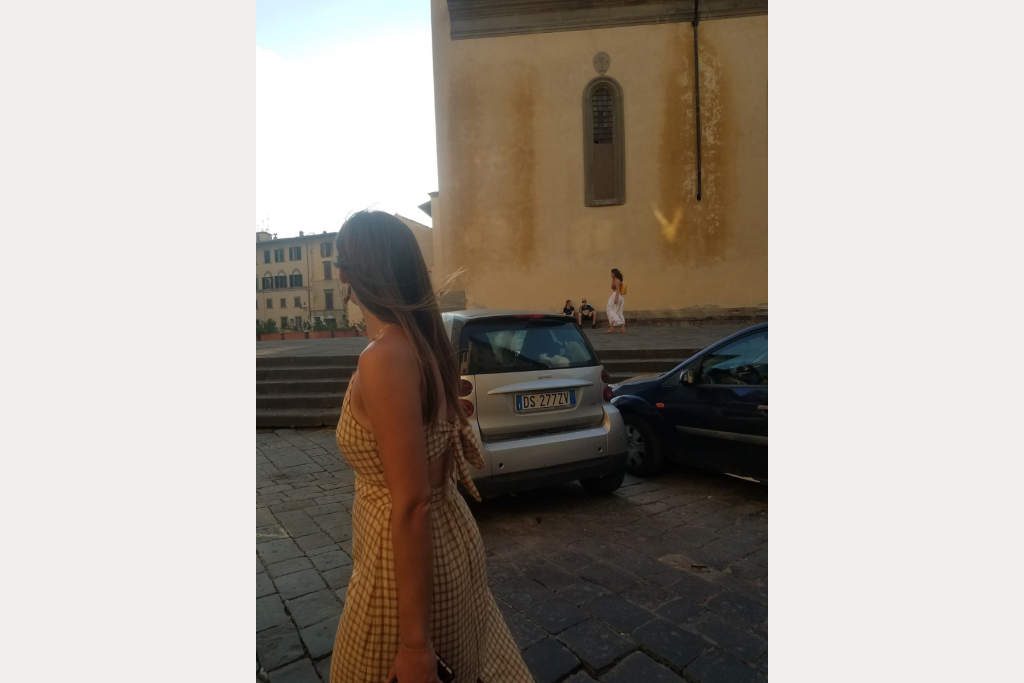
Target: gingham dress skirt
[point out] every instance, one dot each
(467, 629)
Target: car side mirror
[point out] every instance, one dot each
(687, 376)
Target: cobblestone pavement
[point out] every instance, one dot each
(667, 337)
(664, 580)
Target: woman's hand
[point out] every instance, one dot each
(414, 667)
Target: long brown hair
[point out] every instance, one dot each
(616, 273)
(385, 268)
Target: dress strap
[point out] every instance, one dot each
(466, 447)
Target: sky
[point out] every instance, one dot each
(345, 112)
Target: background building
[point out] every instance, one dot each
(567, 146)
(296, 280)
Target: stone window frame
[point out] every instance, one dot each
(619, 143)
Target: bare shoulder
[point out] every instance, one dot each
(390, 355)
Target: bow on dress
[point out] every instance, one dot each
(466, 448)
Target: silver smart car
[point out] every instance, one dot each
(538, 398)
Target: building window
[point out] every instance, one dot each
(294, 253)
(284, 322)
(603, 144)
(278, 255)
(329, 299)
(268, 282)
(298, 302)
(284, 302)
(326, 249)
(270, 303)
(327, 270)
(266, 256)
(298, 322)
(280, 281)
(295, 280)
(257, 304)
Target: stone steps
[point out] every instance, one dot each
(305, 372)
(302, 386)
(308, 391)
(297, 417)
(305, 361)
(303, 400)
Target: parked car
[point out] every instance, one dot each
(710, 412)
(538, 398)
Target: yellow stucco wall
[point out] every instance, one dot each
(511, 208)
(425, 238)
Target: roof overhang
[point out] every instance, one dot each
(490, 18)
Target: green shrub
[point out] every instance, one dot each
(270, 327)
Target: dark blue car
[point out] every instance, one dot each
(711, 411)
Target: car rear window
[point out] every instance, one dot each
(521, 345)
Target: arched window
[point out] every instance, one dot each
(268, 280)
(280, 280)
(295, 279)
(604, 149)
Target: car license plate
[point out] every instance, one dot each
(546, 401)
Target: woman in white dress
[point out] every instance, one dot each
(615, 302)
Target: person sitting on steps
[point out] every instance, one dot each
(587, 313)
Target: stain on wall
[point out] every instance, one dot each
(692, 232)
(521, 206)
(494, 214)
(466, 139)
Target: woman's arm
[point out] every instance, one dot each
(390, 392)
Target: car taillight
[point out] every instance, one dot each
(467, 407)
(607, 394)
(466, 388)
(605, 377)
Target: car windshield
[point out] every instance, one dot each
(521, 345)
(744, 361)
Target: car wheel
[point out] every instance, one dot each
(606, 484)
(644, 454)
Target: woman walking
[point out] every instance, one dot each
(419, 586)
(615, 304)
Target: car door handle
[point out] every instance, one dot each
(764, 408)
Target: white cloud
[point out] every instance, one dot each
(350, 128)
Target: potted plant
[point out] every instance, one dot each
(291, 332)
(319, 330)
(344, 329)
(270, 331)
(360, 328)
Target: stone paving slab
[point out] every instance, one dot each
(653, 337)
(664, 580)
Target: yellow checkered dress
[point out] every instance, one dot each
(467, 629)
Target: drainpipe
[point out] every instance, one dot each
(696, 84)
